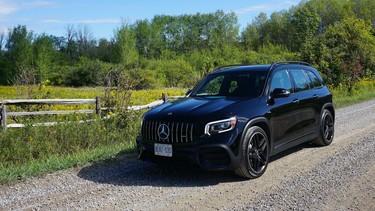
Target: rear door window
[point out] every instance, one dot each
(301, 80)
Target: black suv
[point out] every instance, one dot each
(239, 116)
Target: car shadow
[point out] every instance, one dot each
(125, 170)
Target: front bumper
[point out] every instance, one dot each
(205, 153)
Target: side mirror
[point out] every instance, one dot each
(279, 93)
(188, 92)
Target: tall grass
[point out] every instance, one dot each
(32, 150)
(362, 91)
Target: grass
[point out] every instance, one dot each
(362, 91)
(54, 163)
(33, 151)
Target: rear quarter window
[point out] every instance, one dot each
(314, 79)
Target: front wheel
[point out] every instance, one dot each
(327, 129)
(255, 153)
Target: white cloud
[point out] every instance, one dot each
(255, 8)
(8, 7)
(266, 7)
(52, 21)
(103, 20)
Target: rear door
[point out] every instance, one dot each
(306, 107)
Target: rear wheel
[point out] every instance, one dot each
(327, 129)
(255, 153)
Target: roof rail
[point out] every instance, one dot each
(289, 62)
(227, 66)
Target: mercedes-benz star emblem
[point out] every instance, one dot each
(163, 131)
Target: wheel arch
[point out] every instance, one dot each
(330, 108)
(263, 123)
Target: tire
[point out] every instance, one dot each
(326, 129)
(254, 153)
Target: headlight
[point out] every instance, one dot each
(220, 126)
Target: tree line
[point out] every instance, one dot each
(336, 36)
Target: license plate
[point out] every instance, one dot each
(163, 150)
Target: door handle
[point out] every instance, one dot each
(295, 101)
(315, 96)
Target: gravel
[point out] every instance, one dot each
(337, 177)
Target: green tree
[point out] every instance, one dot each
(125, 39)
(43, 55)
(88, 73)
(279, 29)
(144, 34)
(305, 22)
(255, 35)
(71, 48)
(2, 39)
(364, 9)
(19, 50)
(350, 48)
(104, 51)
(85, 41)
(329, 11)
(3, 61)
(177, 72)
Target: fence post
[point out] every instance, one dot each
(97, 107)
(164, 97)
(4, 117)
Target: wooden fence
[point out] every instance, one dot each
(4, 114)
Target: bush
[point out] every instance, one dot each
(88, 73)
(144, 79)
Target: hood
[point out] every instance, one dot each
(189, 109)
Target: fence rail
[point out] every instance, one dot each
(4, 114)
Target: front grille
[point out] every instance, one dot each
(179, 132)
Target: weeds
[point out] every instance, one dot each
(361, 91)
(30, 145)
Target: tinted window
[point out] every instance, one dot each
(315, 80)
(281, 80)
(241, 84)
(212, 87)
(300, 79)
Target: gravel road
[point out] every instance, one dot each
(337, 177)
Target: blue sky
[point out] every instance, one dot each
(103, 17)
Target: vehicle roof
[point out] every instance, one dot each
(265, 67)
(243, 68)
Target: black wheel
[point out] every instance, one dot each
(327, 129)
(255, 153)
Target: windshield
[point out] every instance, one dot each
(235, 84)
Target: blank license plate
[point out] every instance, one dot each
(163, 150)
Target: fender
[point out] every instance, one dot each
(332, 109)
(255, 121)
